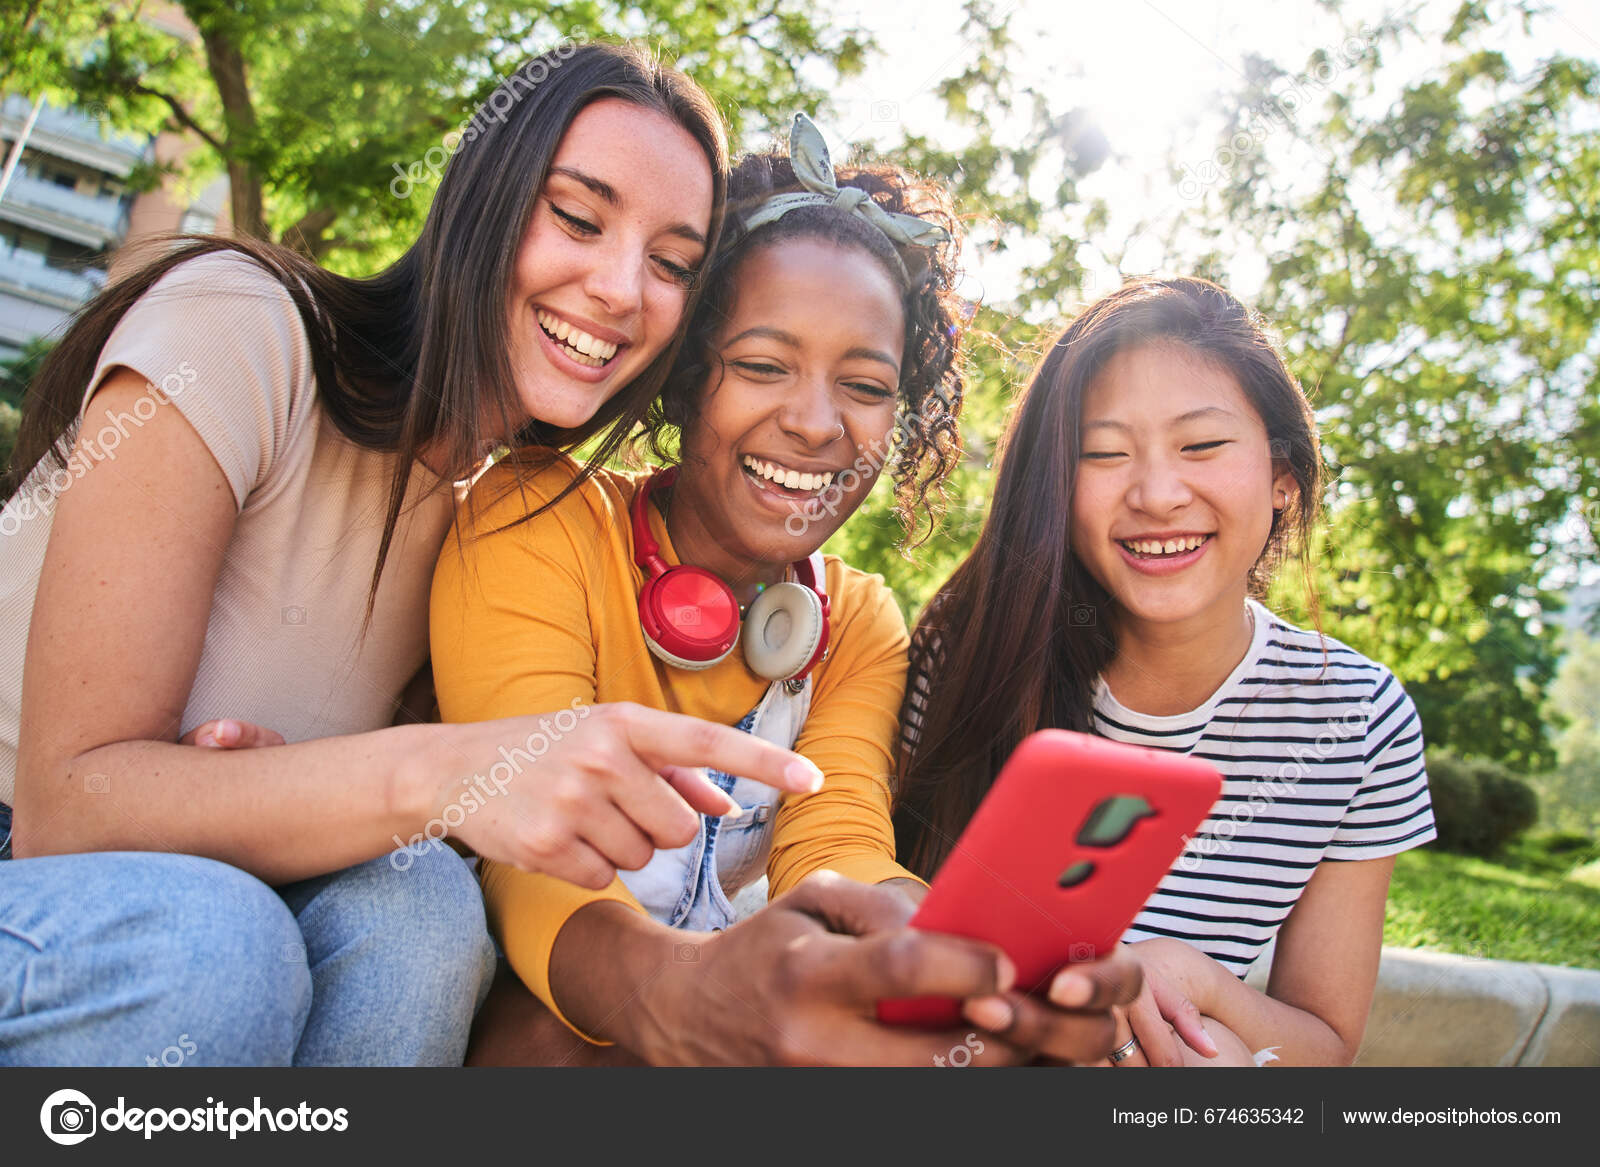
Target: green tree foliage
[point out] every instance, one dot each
(308, 105)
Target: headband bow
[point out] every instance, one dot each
(808, 154)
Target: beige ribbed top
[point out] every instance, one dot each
(220, 340)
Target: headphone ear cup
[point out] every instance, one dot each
(689, 617)
(784, 631)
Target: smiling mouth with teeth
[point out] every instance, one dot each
(1161, 548)
(576, 343)
(783, 477)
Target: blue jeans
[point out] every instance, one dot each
(149, 958)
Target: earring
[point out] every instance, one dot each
(1280, 499)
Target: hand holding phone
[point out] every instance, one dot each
(1065, 849)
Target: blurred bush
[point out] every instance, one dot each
(1479, 806)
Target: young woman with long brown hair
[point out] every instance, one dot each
(1159, 466)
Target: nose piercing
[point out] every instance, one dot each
(841, 432)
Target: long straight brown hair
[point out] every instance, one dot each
(411, 357)
(1014, 641)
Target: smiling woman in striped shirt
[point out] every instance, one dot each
(1155, 472)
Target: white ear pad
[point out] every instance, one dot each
(782, 630)
(683, 663)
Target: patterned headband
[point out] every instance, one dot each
(808, 154)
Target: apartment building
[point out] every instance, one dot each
(63, 214)
(67, 213)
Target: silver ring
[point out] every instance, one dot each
(1123, 1051)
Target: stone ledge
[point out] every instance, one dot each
(1436, 1009)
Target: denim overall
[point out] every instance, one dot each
(691, 887)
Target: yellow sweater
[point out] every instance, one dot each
(528, 619)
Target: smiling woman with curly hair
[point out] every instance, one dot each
(926, 443)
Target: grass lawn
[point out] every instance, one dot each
(1537, 901)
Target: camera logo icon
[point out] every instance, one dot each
(1082, 615)
(1080, 952)
(686, 953)
(294, 616)
(68, 1117)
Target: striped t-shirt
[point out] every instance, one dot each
(1321, 758)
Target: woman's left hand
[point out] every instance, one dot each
(1166, 1010)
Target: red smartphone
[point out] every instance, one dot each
(1063, 852)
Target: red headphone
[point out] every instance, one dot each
(691, 620)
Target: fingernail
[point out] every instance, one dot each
(733, 808)
(1005, 973)
(1071, 991)
(205, 739)
(227, 730)
(1211, 1047)
(990, 1012)
(805, 772)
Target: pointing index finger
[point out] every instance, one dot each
(672, 739)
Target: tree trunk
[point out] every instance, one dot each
(22, 30)
(244, 184)
(308, 235)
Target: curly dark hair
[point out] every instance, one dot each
(927, 437)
